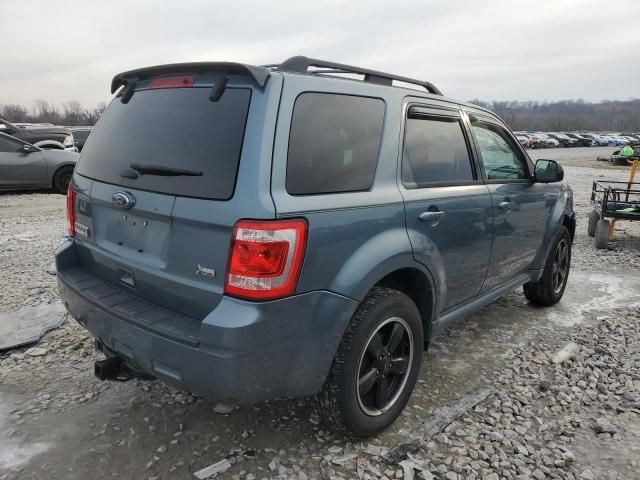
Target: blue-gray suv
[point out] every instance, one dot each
(246, 232)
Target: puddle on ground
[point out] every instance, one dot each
(589, 293)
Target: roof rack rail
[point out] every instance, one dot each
(301, 64)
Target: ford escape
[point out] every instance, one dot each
(247, 232)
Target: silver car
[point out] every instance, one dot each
(25, 166)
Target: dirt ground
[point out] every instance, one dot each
(578, 420)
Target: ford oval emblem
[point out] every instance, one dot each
(123, 200)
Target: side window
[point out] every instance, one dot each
(334, 143)
(8, 145)
(435, 151)
(501, 158)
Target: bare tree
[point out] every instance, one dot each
(45, 112)
(567, 115)
(94, 114)
(14, 112)
(74, 113)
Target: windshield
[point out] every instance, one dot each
(173, 128)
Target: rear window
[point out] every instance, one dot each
(333, 144)
(172, 128)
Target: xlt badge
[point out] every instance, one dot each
(205, 271)
(82, 230)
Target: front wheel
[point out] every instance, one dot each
(550, 288)
(376, 367)
(593, 221)
(601, 238)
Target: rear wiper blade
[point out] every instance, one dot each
(148, 169)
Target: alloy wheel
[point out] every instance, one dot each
(384, 366)
(560, 267)
(65, 179)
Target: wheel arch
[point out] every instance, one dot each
(49, 144)
(562, 214)
(569, 221)
(419, 287)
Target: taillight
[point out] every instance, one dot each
(71, 214)
(265, 258)
(171, 82)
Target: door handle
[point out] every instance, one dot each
(432, 217)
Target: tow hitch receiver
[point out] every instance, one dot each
(112, 368)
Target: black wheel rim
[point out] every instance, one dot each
(65, 179)
(384, 366)
(560, 266)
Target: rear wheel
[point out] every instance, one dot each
(62, 178)
(601, 239)
(593, 221)
(376, 366)
(550, 288)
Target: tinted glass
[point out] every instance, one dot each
(435, 151)
(501, 158)
(81, 134)
(175, 128)
(334, 143)
(8, 145)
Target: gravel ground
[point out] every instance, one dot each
(576, 419)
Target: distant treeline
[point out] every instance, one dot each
(565, 115)
(69, 113)
(569, 115)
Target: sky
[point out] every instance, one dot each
(485, 49)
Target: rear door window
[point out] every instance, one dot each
(334, 143)
(175, 129)
(435, 151)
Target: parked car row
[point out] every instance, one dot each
(80, 135)
(42, 136)
(26, 166)
(567, 139)
(47, 135)
(39, 155)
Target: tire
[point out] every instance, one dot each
(601, 240)
(593, 220)
(549, 289)
(358, 412)
(61, 179)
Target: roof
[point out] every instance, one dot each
(298, 64)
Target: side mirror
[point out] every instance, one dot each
(28, 149)
(548, 171)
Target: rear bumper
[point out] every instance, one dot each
(244, 352)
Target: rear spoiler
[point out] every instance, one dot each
(259, 75)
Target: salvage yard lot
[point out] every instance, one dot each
(577, 419)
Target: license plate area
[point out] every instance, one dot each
(123, 231)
